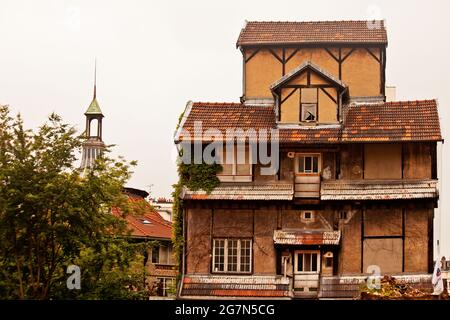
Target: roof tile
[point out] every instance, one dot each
(284, 32)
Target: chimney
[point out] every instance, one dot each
(390, 93)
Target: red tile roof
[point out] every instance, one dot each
(320, 134)
(213, 286)
(392, 121)
(375, 122)
(145, 222)
(223, 116)
(283, 32)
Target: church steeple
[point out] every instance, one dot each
(93, 145)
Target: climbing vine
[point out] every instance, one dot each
(195, 177)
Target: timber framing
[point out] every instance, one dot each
(339, 58)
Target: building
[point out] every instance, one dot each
(93, 144)
(356, 185)
(163, 206)
(146, 224)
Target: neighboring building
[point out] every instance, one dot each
(163, 206)
(147, 225)
(356, 186)
(93, 145)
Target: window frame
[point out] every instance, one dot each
(302, 105)
(234, 176)
(165, 284)
(226, 256)
(299, 156)
(303, 252)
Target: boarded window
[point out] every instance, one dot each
(384, 253)
(382, 161)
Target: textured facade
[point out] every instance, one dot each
(355, 185)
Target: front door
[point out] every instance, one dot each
(306, 272)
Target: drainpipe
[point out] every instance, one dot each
(341, 115)
(183, 258)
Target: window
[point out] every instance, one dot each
(232, 255)
(309, 112)
(155, 254)
(162, 255)
(236, 163)
(307, 216)
(164, 285)
(308, 104)
(328, 262)
(343, 215)
(307, 261)
(308, 164)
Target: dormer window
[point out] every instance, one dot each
(308, 104)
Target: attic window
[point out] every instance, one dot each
(309, 112)
(308, 104)
(144, 221)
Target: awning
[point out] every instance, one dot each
(226, 286)
(306, 237)
(232, 191)
(378, 190)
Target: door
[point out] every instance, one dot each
(307, 175)
(306, 272)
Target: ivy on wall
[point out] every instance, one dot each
(195, 177)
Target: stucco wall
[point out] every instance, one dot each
(360, 71)
(382, 161)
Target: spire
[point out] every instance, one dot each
(95, 79)
(93, 145)
(94, 107)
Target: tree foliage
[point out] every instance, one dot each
(53, 215)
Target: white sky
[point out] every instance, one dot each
(154, 56)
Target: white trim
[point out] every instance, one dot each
(297, 252)
(238, 255)
(319, 163)
(186, 113)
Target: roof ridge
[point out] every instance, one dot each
(312, 21)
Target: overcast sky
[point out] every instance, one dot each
(154, 56)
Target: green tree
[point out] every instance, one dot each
(53, 215)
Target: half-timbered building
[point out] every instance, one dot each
(356, 185)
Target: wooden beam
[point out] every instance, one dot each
(288, 96)
(252, 55)
(291, 55)
(332, 55)
(306, 86)
(347, 55)
(340, 63)
(373, 55)
(329, 95)
(275, 55)
(362, 240)
(403, 237)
